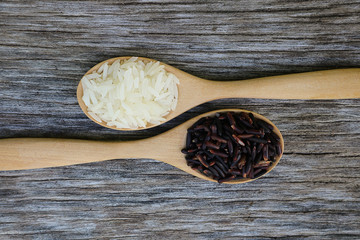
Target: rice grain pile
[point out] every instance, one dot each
(130, 93)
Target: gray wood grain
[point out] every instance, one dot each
(46, 46)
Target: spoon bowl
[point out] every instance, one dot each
(186, 80)
(193, 91)
(30, 153)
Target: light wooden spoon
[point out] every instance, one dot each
(30, 153)
(193, 91)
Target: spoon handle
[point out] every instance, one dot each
(330, 84)
(29, 153)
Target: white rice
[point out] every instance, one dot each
(130, 93)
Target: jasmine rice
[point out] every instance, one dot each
(130, 93)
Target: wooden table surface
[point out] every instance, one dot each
(45, 48)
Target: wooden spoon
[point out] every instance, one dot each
(29, 153)
(330, 84)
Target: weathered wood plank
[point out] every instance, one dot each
(46, 46)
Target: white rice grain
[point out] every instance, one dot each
(130, 93)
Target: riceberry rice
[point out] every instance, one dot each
(231, 146)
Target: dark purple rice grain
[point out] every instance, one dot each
(236, 155)
(219, 127)
(253, 153)
(218, 153)
(209, 154)
(222, 167)
(208, 136)
(198, 167)
(213, 127)
(235, 171)
(257, 140)
(212, 145)
(254, 122)
(238, 140)
(226, 179)
(231, 118)
(219, 159)
(235, 161)
(242, 162)
(248, 166)
(188, 139)
(221, 173)
(202, 160)
(193, 161)
(193, 166)
(218, 138)
(251, 173)
(259, 132)
(262, 163)
(244, 122)
(202, 127)
(191, 151)
(257, 159)
(257, 171)
(259, 147)
(208, 173)
(266, 152)
(236, 129)
(242, 136)
(231, 146)
(214, 172)
(243, 173)
(246, 117)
